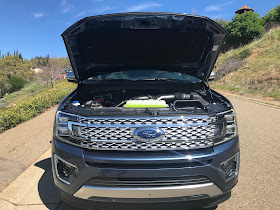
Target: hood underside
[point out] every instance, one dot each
(142, 41)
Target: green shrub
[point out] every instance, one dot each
(4, 85)
(29, 108)
(244, 53)
(272, 15)
(16, 83)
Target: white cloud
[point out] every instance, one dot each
(65, 6)
(140, 7)
(80, 14)
(38, 14)
(217, 7)
(63, 2)
(94, 11)
(102, 9)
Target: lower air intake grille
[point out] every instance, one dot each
(147, 146)
(147, 182)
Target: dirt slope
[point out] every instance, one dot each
(259, 73)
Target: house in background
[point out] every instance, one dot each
(37, 69)
(244, 9)
(63, 73)
(65, 70)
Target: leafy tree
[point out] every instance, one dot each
(244, 28)
(223, 22)
(272, 15)
(12, 68)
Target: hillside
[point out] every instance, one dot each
(252, 69)
(30, 101)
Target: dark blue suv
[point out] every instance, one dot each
(143, 126)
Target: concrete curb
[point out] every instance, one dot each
(32, 189)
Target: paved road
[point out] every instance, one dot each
(258, 187)
(259, 178)
(22, 145)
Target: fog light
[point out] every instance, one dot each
(64, 169)
(62, 131)
(230, 167)
(76, 130)
(218, 129)
(230, 129)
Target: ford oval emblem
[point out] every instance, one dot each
(148, 133)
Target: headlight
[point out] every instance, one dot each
(231, 128)
(61, 124)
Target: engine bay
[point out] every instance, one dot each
(150, 101)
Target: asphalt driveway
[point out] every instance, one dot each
(259, 130)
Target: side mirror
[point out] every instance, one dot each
(71, 77)
(212, 76)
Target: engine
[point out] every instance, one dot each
(155, 99)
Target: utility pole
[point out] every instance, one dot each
(193, 11)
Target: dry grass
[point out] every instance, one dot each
(260, 73)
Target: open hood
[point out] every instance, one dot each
(126, 41)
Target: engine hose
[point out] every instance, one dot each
(141, 97)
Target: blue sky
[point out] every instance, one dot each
(34, 26)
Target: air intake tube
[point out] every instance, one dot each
(177, 96)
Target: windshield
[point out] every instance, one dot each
(146, 75)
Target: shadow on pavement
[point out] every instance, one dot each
(48, 192)
(51, 195)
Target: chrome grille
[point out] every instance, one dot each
(125, 133)
(117, 133)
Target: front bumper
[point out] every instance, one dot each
(210, 189)
(136, 204)
(141, 164)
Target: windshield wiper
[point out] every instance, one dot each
(111, 79)
(167, 79)
(115, 79)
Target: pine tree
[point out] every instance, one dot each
(20, 56)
